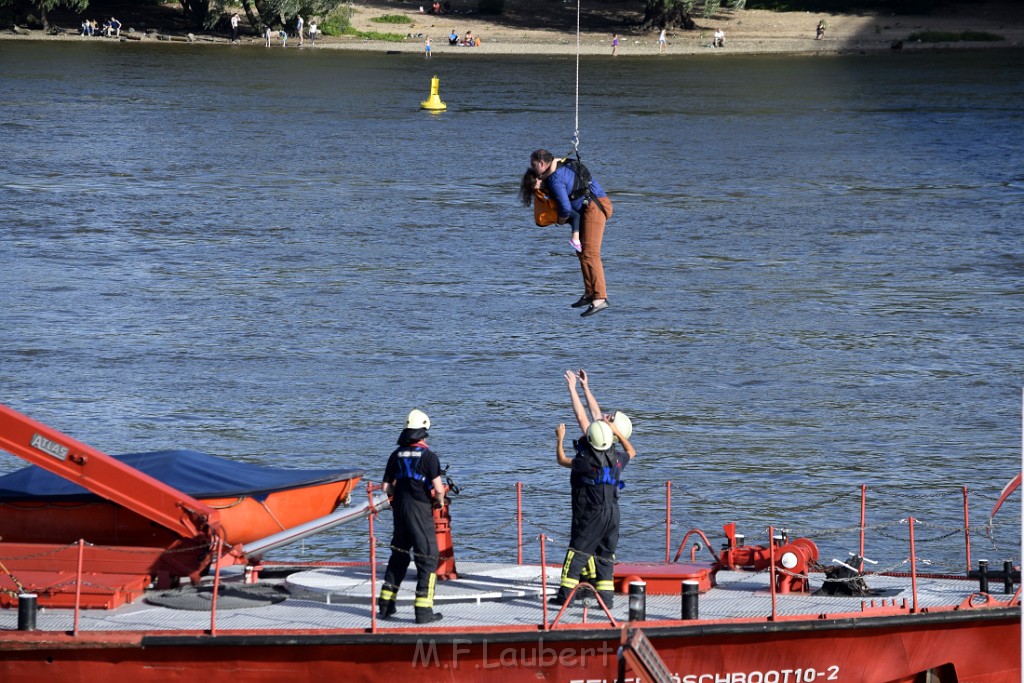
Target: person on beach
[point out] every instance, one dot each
(115, 26)
(267, 34)
(412, 478)
(615, 44)
(453, 38)
(719, 40)
(570, 184)
(597, 470)
(234, 28)
(426, 48)
(662, 42)
(545, 211)
(283, 35)
(314, 31)
(298, 28)
(820, 31)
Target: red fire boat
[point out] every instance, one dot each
(756, 611)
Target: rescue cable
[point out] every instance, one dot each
(576, 130)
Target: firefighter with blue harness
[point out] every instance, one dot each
(412, 478)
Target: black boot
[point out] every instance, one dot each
(426, 615)
(561, 597)
(386, 608)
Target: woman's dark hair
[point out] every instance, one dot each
(529, 181)
(526, 186)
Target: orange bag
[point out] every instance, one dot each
(545, 211)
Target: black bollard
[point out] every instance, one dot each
(638, 601)
(27, 605)
(1008, 577)
(691, 589)
(983, 576)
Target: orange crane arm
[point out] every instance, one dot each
(106, 476)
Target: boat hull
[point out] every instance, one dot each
(244, 518)
(981, 646)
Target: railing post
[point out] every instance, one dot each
(519, 522)
(771, 567)
(913, 564)
(967, 529)
(543, 582)
(863, 519)
(668, 519)
(78, 584)
(373, 560)
(218, 547)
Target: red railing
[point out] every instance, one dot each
(549, 624)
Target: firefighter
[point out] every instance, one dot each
(579, 489)
(412, 478)
(596, 480)
(600, 466)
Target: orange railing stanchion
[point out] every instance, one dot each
(863, 520)
(913, 564)
(668, 519)
(218, 547)
(373, 560)
(78, 584)
(967, 530)
(771, 567)
(543, 582)
(519, 521)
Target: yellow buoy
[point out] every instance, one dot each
(433, 103)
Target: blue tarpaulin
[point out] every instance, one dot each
(197, 474)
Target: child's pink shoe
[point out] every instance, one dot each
(576, 245)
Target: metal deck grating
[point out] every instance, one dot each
(486, 595)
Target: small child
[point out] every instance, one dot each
(574, 226)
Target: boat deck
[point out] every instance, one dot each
(486, 595)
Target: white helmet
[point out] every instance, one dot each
(417, 420)
(623, 424)
(599, 434)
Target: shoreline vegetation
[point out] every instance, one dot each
(997, 24)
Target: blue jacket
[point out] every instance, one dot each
(559, 186)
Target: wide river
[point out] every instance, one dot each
(815, 268)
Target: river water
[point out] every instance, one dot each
(815, 271)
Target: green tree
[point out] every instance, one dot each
(667, 14)
(39, 9)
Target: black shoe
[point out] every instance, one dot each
(594, 308)
(427, 615)
(582, 301)
(556, 601)
(386, 608)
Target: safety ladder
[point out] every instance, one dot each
(637, 652)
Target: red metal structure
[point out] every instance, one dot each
(194, 525)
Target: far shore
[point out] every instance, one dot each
(747, 32)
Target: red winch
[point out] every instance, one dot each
(792, 559)
(443, 529)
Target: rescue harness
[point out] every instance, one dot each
(408, 460)
(604, 467)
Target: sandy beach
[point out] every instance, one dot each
(516, 31)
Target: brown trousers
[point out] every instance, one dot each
(591, 233)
